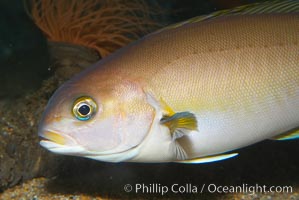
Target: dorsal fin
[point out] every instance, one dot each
(268, 7)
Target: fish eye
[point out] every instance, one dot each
(84, 108)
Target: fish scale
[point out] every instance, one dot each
(189, 93)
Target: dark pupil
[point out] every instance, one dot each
(84, 109)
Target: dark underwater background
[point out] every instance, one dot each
(28, 79)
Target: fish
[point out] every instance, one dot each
(194, 92)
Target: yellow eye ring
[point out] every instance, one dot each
(84, 108)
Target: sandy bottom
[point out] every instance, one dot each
(40, 188)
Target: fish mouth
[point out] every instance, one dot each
(62, 144)
(54, 137)
(59, 143)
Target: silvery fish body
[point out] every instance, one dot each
(185, 94)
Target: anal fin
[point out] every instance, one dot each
(208, 159)
(290, 135)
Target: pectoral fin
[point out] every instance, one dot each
(179, 124)
(208, 159)
(288, 136)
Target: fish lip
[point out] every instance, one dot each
(60, 143)
(53, 136)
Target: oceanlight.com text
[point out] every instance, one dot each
(157, 188)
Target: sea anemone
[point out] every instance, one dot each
(102, 25)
